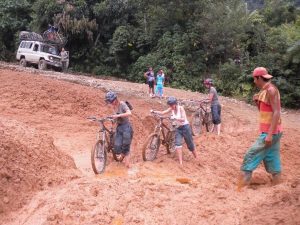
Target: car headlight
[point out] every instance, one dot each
(50, 57)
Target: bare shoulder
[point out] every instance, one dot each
(272, 90)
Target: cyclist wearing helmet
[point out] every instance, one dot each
(215, 105)
(183, 129)
(124, 132)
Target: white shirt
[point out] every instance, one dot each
(180, 115)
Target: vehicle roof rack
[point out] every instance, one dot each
(30, 36)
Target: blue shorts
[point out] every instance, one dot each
(186, 133)
(216, 114)
(257, 153)
(123, 138)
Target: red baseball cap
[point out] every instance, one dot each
(261, 72)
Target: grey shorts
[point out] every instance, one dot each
(186, 133)
(123, 138)
(216, 114)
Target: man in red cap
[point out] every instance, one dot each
(267, 146)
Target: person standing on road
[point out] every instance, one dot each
(124, 131)
(64, 58)
(215, 106)
(183, 129)
(266, 147)
(149, 75)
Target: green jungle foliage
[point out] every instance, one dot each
(190, 39)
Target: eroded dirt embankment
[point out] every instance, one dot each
(29, 163)
(46, 177)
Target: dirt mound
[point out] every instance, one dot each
(29, 163)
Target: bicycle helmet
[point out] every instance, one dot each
(208, 81)
(110, 97)
(172, 101)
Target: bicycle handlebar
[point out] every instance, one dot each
(162, 117)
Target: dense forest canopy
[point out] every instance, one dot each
(189, 39)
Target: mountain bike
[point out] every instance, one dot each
(104, 144)
(53, 36)
(202, 117)
(163, 134)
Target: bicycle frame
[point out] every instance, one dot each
(201, 116)
(104, 133)
(107, 135)
(163, 134)
(104, 144)
(162, 128)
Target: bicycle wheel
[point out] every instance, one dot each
(171, 143)
(151, 147)
(208, 121)
(197, 123)
(98, 157)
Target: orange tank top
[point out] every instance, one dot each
(266, 111)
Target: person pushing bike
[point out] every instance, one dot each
(215, 105)
(183, 130)
(124, 131)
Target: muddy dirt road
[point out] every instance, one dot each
(46, 176)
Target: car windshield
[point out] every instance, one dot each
(49, 49)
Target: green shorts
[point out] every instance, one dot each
(257, 153)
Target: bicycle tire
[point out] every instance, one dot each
(197, 123)
(98, 157)
(208, 121)
(151, 145)
(171, 143)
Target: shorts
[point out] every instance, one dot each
(216, 114)
(151, 84)
(123, 138)
(186, 133)
(257, 153)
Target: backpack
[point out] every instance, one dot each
(129, 105)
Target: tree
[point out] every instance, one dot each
(14, 17)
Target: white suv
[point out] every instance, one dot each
(39, 53)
